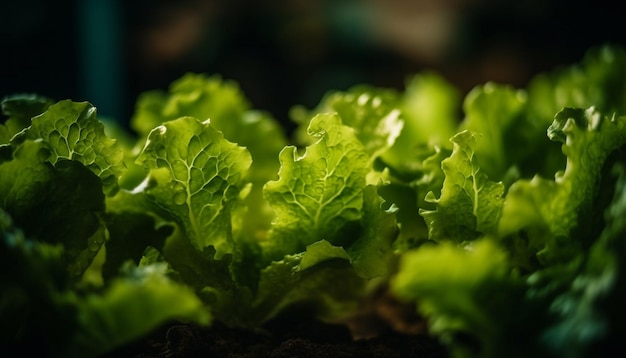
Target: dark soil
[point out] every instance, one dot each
(383, 327)
(312, 339)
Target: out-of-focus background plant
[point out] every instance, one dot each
(286, 52)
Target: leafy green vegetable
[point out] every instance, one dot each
(590, 324)
(372, 113)
(20, 109)
(300, 283)
(549, 211)
(209, 97)
(133, 305)
(51, 317)
(470, 203)
(428, 108)
(494, 111)
(196, 174)
(471, 296)
(596, 81)
(511, 242)
(72, 132)
(221, 101)
(60, 204)
(320, 194)
(537, 278)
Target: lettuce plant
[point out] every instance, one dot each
(509, 240)
(526, 264)
(185, 222)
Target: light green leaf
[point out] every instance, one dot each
(328, 280)
(132, 306)
(319, 252)
(197, 176)
(371, 252)
(472, 301)
(193, 95)
(72, 131)
(549, 211)
(222, 101)
(493, 111)
(318, 194)
(470, 203)
(373, 113)
(429, 107)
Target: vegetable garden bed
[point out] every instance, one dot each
(502, 226)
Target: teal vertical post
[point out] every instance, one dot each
(100, 31)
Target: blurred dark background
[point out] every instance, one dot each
(286, 52)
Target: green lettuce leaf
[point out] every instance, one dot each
(589, 310)
(192, 95)
(472, 300)
(329, 227)
(221, 101)
(72, 131)
(370, 251)
(428, 108)
(554, 216)
(430, 104)
(493, 111)
(20, 109)
(43, 314)
(373, 114)
(60, 204)
(196, 175)
(319, 195)
(133, 305)
(470, 203)
(597, 80)
(317, 283)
